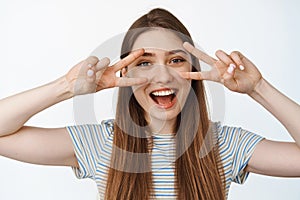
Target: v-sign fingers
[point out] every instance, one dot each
(199, 54)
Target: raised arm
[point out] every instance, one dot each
(277, 158)
(283, 108)
(47, 145)
(239, 74)
(17, 109)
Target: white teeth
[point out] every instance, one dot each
(163, 93)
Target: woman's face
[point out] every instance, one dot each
(166, 91)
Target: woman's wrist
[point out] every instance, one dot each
(259, 89)
(62, 89)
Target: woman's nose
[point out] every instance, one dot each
(161, 74)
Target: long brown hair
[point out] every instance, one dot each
(129, 176)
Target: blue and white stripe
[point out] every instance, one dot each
(93, 147)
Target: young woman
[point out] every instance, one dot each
(161, 143)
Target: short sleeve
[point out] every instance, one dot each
(236, 148)
(88, 142)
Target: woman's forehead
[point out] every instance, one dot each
(162, 39)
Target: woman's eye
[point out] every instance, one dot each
(177, 60)
(143, 64)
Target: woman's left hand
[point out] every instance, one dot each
(235, 71)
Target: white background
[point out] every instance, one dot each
(41, 40)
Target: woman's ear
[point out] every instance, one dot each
(124, 71)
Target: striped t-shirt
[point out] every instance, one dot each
(93, 148)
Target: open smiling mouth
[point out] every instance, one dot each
(164, 98)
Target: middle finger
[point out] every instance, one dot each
(128, 59)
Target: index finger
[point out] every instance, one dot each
(199, 54)
(125, 82)
(128, 59)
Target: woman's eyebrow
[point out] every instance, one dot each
(175, 51)
(148, 54)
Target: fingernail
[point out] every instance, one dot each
(230, 69)
(242, 67)
(232, 65)
(89, 65)
(90, 72)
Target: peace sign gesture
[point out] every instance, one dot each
(92, 75)
(235, 71)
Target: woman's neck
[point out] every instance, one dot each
(162, 126)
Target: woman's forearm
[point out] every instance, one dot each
(88, 76)
(17, 109)
(283, 108)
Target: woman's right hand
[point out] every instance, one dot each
(92, 75)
